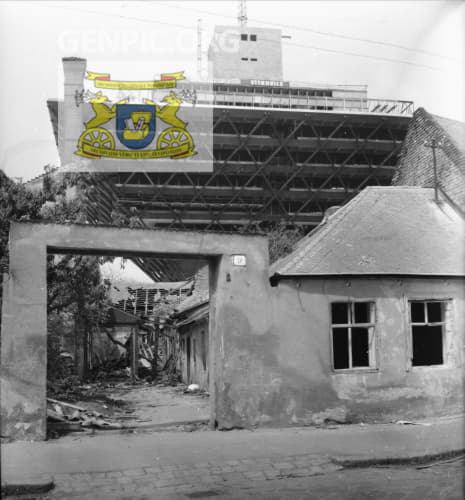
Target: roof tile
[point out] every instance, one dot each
(383, 230)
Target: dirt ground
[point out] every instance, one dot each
(141, 405)
(163, 405)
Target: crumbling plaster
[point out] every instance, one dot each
(24, 325)
(394, 389)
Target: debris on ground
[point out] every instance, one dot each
(71, 417)
(112, 400)
(410, 422)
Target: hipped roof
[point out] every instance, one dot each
(383, 231)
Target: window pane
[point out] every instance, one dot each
(360, 347)
(434, 312)
(341, 348)
(362, 312)
(339, 313)
(417, 312)
(427, 345)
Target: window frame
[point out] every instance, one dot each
(446, 308)
(372, 341)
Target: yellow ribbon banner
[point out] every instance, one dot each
(115, 84)
(103, 81)
(88, 150)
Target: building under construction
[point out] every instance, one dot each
(283, 151)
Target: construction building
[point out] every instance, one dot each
(283, 151)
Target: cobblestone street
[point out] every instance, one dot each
(307, 463)
(295, 477)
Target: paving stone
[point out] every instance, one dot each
(232, 462)
(166, 482)
(283, 465)
(242, 468)
(152, 470)
(232, 476)
(254, 475)
(228, 468)
(113, 474)
(134, 472)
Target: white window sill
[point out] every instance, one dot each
(354, 370)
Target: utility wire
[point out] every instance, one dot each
(319, 32)
(294, 44)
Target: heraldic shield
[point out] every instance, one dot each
(135, 124)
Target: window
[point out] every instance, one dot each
(352, 326)
(253, 59)
(253, 38)
(243, 36)
(427, 321)
(244, 58)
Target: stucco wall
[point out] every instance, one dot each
(308, 390)
(239, 310)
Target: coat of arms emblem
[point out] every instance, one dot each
(136, 126)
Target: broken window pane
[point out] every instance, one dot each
(434, 312)
(427, 345)
(360, 355)
(361, 312)
(340, 313)
(341, 348)
(417, 310)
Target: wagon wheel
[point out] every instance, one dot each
(97, 138)
(173, 137)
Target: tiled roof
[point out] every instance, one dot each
(201, 311)
(453, 130)
(117, 317)
(193, 301)
(383, 230)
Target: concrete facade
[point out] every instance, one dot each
(239, 310)
(307, 389)
(246, 53)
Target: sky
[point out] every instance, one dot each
(406, 50)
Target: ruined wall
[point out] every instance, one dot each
(195, 370)
(308, 390)
(239, 314)
(269, 348)
(415, 166)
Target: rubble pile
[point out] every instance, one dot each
(72, 417)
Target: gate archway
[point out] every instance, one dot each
(238, 312)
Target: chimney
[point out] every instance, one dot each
(329, 212)
(70, 122)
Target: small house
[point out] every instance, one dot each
(370, 312)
